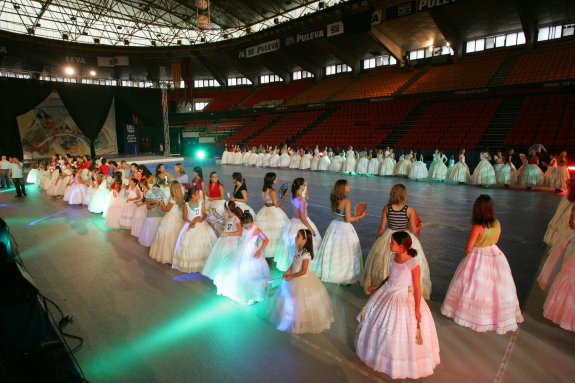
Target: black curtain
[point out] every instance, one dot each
(146, 104)
(17, 96)
(88, 106)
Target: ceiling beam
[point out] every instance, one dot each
(233, 61)
(277, 69)
(340, 54)
(301, 61)
(451, 35)
(528, 21)
(391, 46)
(210, 68)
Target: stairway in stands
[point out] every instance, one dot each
(412, 80)
(341, 90)
(397, 134)
(505, 69)
(498, 129)
(280, 117)
(311, 126)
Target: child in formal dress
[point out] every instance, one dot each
(396, 333)
(154, 215)
(248, 272)
(482, 294)
(559, 306)
(78, 190)
(116, 203)
(285, 253)
(141, 210)
(396, 216)
(339, 259)
(134, 195)
(196, 238)
(271, 219)
(301, 304)
(163, 246)
(227, 243)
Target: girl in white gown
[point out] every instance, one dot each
(77, 191)
(404, 166)
(295, 160)
(225, 155)
(373, 164)
(99, 201)
(531, 174)
(396, 216)
(315, 162)
(305, 163)
(284, 159)
(116, 203)
(557, 174)
(339, 259)
(284, 256)
(434, 162)
(141, 210)
(350, 161)
(439, 171)
(460, 172)
(388, 165)
(134, 195)
(397, 334)
(418, 170)
(275, 159)
(196, 238)
(54, 177)
(227, 244)
(337, 162)
(163, 245)
(324, 162)
(248, 272)
(154, 215)
(362, 164)
(271, 219)
(558, 227)
(301, 304)
(484, 173)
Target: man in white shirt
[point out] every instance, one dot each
(16, 174)
(4, 167)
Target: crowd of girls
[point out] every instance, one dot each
(499, 169)
(193, 227)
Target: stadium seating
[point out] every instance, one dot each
(277, 93)
(286, 128)
(222, 99)
(322, 90)
(379, 82)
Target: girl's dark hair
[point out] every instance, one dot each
(337, 194)
(145, 171)
(211, 174)
(231, 206)
(403, 239)
(247, 217)
(135, 181)
(308, 246)
(198, 170)
(190, 193)
(269, 181)
(296, 185)
(118, 177)
(483, 211)
(158, 169)
(238, 177)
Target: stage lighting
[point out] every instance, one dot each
(200, 154)
(69, 71)
(92, 73)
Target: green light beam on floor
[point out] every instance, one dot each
(123, 358)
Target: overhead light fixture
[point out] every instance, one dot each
(179, 42)
(69, 71)
(30, 31)
(16, 6)
(321, 5)
(153, 43)
(203, 39)
(96, 40)
(430, 48)
(276, 20)
(226, 36)
(92, 73)
(448, 44)
(65, 36)
(119, 27)
(126, 42)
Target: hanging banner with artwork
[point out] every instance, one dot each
(48, 129)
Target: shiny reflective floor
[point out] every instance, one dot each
(143, 322)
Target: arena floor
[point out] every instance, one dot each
(143, 322)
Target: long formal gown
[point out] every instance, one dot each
(339, 259)
(385, 339)
(271, 220)
(162, 248)
(482, 294)
(301, 305)
(224, 248)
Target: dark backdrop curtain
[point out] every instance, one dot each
(17, 96)
(146, 104)
(88, 106)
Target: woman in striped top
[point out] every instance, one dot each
(396, 216)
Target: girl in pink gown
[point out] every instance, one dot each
(396, 333)
(482, 294)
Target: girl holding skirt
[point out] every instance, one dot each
(163, 246)
(301, 304)
(396, 333)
